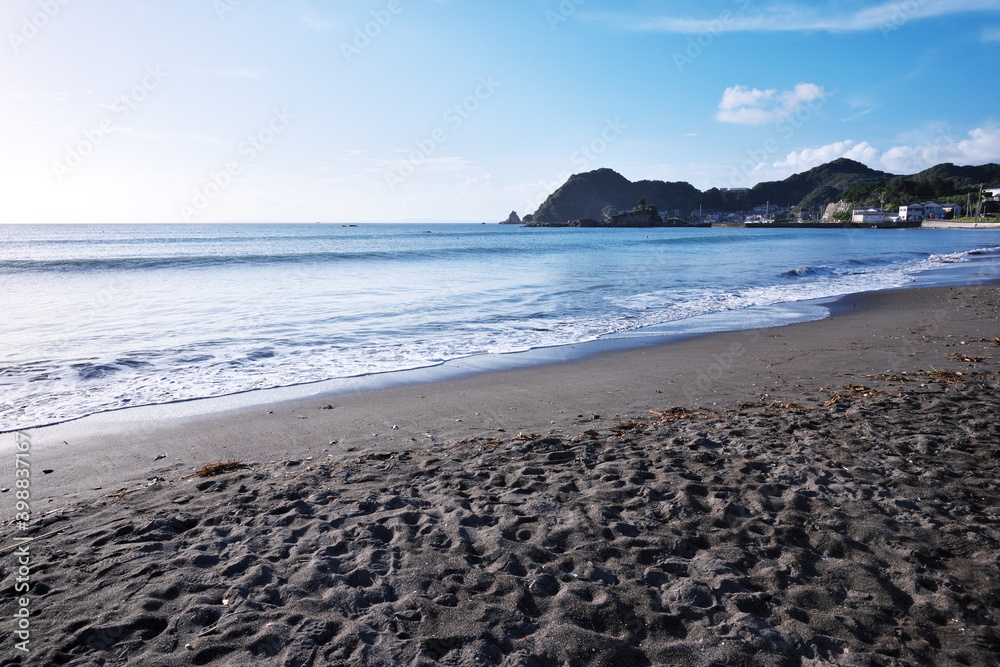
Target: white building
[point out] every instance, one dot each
(911, 213)
(868, 216)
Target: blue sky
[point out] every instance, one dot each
(384, 110)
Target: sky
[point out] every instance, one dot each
(462, 110)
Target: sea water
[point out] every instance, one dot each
(100, 317)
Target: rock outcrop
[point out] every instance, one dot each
(637, 218)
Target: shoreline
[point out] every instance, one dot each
(93, 454)
(755, 317)
(819, 493)
(156, 395)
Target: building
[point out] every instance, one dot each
(868, 216)
(911, 213)
(952, 211)
(934, 211)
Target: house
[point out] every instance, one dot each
(952, 211)
(990, 203)
(934, 211)
(868, 216)
(911, 213)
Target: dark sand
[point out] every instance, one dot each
(828, 495)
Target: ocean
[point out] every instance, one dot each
(102, 317)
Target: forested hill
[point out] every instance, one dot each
(591, 194)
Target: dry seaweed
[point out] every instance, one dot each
(220, 468)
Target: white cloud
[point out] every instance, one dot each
(807, 158)
(751, 106)
(790, 17)
(979, 146)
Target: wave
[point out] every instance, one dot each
(315, 338)
(906, 261)
(714, 239)
(984, 251)
(963, 256)
(92, 264)
(193, 261)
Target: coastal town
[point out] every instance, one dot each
(840, 214)
(820, 198)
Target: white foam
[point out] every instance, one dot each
(233, 369)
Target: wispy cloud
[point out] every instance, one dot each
(62, 96)
(24, 96)
(316, 23)
(992, 34)
(861, 108)
(436, 164)
(310, 16)
(237, 72)
(751, 106)
(15, 95)
(790, 17)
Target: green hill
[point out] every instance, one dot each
(593, 194)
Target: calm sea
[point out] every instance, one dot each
(98, 317)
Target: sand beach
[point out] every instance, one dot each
(820, 493)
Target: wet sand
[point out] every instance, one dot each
(821, 493)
